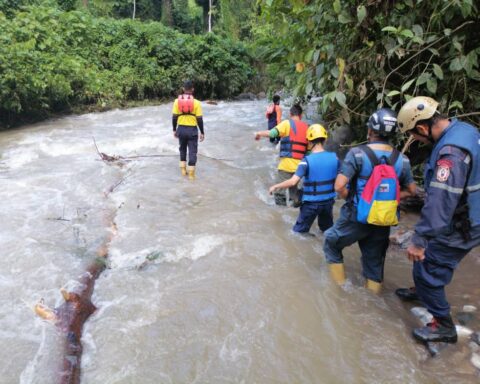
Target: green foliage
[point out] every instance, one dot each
(360, 55)
(51, 60)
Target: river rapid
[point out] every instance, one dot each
(205, 283)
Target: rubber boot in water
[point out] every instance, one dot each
(440, 329)
(191, 172)
(407, 294)
(183, 168)
(373, 286)
(337, 271)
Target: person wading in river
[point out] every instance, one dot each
(358, 173)
(274, 116)
(186, 117)
(449, 225)
(319, 170)
(293, 146)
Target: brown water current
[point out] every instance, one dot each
(206, 283)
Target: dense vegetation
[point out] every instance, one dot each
(362, 54)
(51, 59)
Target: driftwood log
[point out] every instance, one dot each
(74, 312)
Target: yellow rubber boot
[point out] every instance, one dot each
(373, 286)
(337, 271)
(183, 168)
(191, 172)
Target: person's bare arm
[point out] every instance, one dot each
(285, 184)
(411, 190)
(341, 186)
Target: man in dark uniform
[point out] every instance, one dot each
(449, 226)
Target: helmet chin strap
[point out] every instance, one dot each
(429, 137)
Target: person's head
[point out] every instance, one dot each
(188, 86)
(316, 134)
(276, 99)
(296, 110)
(382, 124)
(418, 116)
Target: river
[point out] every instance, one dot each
(206, 283)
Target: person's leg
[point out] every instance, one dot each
(183, 142)
(342, 234)
(280, 195)
(431, 276)
(374, 250)
(192, 146)
(325, 215)
(306, 217)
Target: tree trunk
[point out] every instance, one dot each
(134, 9)
(167, 17)
(210, 15)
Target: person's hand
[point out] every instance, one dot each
(257, 136)
(272, 189)
(202, 137)
(415, 253)
(175, 134)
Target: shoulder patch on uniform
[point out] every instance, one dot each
(443, 171)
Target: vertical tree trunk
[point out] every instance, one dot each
(210, 15)
(167, 17)
(134, 9)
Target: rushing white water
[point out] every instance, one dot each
(206, 282)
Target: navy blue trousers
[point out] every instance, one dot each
(435, 272)
(188, 138)
(322, 211)
(372, 240)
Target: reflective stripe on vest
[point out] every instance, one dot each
(320, 178)
(464, 136)
(185, 104)
(295, 144)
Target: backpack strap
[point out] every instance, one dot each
(371, 155)
(392, 160)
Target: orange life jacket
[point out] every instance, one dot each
(185, 104)
(295, 144)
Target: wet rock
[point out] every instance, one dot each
(474, 347)
(401, 237)
(422, 314)
(465, 317)
(469, 308)
(475, 360)
(211, 102)
(435, 348)
(261, 95)
(476, 337)
(246, 96)
(463, 332)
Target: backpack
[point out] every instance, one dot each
(378, 203)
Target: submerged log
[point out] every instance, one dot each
(74, 312)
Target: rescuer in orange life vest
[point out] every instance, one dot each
(186, 117)
(293, 146)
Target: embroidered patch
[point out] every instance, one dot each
(442, 173)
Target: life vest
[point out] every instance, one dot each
(319, 181)
(466, 137)
(185, 104)
(295, 144)
(380, 198)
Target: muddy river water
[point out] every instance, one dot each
(206, 283)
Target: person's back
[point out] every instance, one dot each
(356, 170)
(274, 116)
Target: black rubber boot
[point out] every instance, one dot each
(440, 329)
(407, 294)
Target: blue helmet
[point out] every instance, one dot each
(383, 121)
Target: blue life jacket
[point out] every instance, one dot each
(295, 144)
(466, 137)
(319, 181)
(367, 169)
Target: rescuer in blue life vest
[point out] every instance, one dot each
(356, 169)
(319, 170)
(449, 225)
